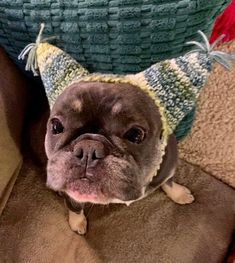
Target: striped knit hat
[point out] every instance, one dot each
(173, 84)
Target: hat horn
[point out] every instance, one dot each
(57, 69)
(176, 83)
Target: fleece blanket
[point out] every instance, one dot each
(34, 227)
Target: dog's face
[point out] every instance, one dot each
(102, 142)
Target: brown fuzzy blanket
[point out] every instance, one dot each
(211, 143)
(34, 227)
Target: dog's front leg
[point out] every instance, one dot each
(77, 219)
(177, 193)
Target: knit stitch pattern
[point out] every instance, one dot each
(57, 70)
(177, 83)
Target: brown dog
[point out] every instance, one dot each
(102, 145)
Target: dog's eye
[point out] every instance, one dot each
(135, 135)
(56, 126)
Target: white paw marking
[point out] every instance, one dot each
(178, 193)
(78, 222)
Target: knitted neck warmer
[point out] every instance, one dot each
(173, 84)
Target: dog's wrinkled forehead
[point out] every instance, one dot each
(93, 99)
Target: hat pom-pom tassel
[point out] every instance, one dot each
(221, 57)
(30, 51)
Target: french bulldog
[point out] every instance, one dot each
(102, 144)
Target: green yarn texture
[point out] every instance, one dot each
(111, 36)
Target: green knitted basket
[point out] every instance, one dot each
(115, 36)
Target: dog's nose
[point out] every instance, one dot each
(89, 151)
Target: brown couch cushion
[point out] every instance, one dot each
(12, 111)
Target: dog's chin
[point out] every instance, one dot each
(82, 192)
(85, 192)
(89, 193)
(94, 198)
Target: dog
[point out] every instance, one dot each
(102, 144)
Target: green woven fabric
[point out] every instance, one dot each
(115, 36)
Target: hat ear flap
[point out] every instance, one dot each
(57, 69)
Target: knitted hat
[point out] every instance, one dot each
(174, 84)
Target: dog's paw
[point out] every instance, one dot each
(178, 193)
(78, 222)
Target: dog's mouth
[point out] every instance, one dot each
(86, 197)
